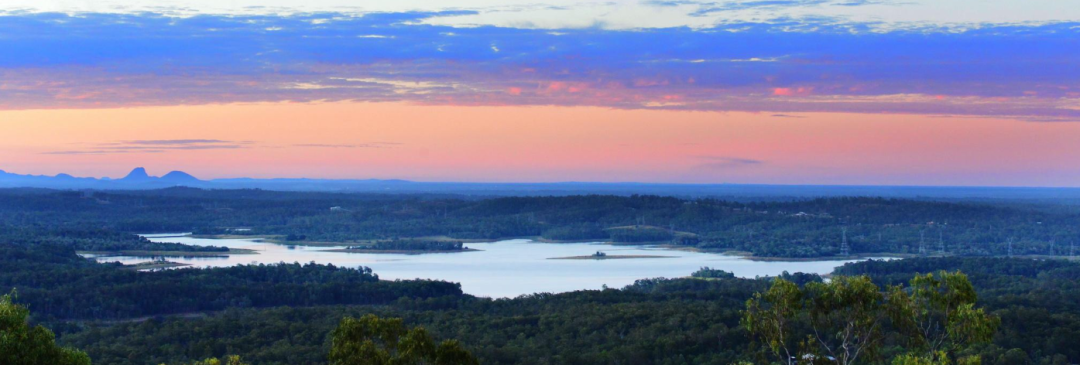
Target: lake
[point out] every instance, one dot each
(506, 268)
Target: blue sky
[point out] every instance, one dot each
(613, 14)
(949, 92)
(1026, 71)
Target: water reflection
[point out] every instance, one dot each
(499, 269)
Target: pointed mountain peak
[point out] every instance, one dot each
(138, 173)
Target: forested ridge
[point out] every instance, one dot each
(654, 321)
(282, 314)
(287, 313)
(58, 284)
(94, 221)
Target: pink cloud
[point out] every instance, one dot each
(650, 82)
(570, 87)
(787, 91)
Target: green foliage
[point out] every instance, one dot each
(801, 228)
(939, 358)
(912, 359)
(651, 321)
(846, 316)
(576, 232)
(371, 340)
(62, 285)
(640, 234)
(88, 239)
(229, 360)
(937, 314)
(21, 344)
(1035, 303)
(844, 319)
(770, 317)
(659, 321)
(412, 245)
(1014, 357)
(676, 321)
(708, 272)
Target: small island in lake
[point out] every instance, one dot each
(600, 255)
(409, 247)
(155, 265)
(154, 253)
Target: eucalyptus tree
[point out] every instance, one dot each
(846, 316)
(22, 344)
(844, 321)
(770, 316)
(937, 315)
(371, 340)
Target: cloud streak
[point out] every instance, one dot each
(357, 145)
(180, 142)
(155, 146)
(726, 162)
(177, 145)
(796, 65)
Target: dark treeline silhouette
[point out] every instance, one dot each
(801, 228)
(412, 245)
(58, 284)
(652, 321)
(91, 239)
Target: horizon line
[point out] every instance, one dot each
(107, 179)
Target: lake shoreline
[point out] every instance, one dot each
(499, 269)
(612, 257)
(146, 253)
(155, 265)
(538, 239)
(400, 252)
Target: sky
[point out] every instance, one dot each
(859, 92)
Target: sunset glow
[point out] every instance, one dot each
(538, 143)
(799, 92)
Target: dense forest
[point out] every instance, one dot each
(291, 313)
(58, 284)
(88, 221)
(91, 239)
(654, 321)
(411, 245)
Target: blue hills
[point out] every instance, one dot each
(140, 179)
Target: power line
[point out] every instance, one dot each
(941, 240)
(844, 249)
(922, 242)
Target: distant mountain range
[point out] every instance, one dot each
(136, 179)
(139, 179)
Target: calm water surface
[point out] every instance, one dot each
(501, 269)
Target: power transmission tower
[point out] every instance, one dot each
(941, 240)
(1072, 247)
(844, 249)
(922, 242)
(1010, 246)
(1052, 242)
